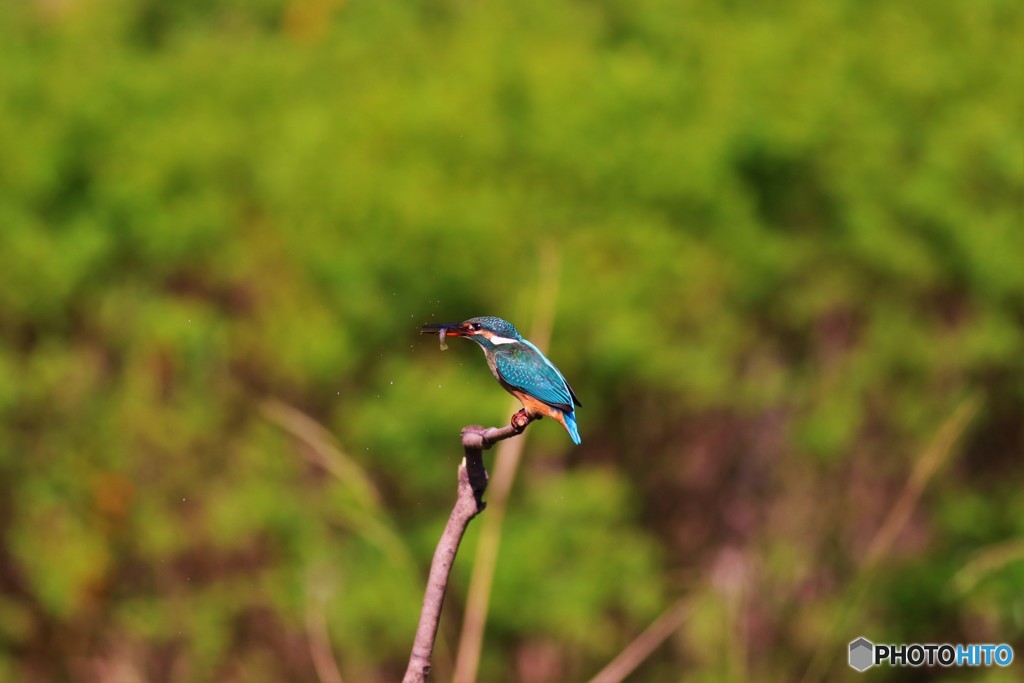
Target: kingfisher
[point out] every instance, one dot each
(520, 368)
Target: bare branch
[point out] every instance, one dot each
(468, 504)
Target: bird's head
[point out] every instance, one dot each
(487, 331)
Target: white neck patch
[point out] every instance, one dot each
(495, 339)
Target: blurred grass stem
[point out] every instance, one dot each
(935, 454)
(474, 621)
(646, 643)
(326, 665)
(368, 516)
(988, 561)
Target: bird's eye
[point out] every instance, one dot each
(477, 326)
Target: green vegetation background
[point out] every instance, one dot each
(789, 249)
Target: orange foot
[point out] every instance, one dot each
(520, 420)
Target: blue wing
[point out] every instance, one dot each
(523, 367)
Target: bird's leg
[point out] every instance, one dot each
(520, 420)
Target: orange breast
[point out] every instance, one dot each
(537, 408)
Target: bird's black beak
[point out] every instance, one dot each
(450, 329)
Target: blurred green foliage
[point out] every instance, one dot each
(790, 237)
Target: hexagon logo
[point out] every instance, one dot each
(862, 654)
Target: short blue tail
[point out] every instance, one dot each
(570, 426)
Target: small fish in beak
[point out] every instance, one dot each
(444, 330)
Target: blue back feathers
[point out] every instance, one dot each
(525, 368)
